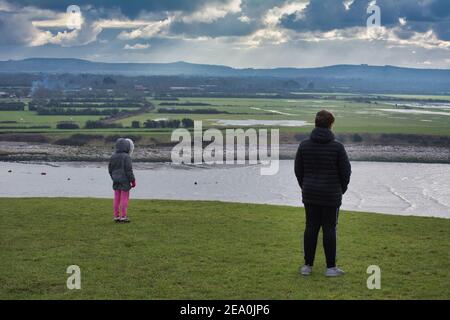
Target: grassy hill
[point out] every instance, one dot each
(210, 250)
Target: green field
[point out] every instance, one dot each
(351, 116)
(210, 250)
(31, 118)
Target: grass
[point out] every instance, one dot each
(31, 118)
(210, 250)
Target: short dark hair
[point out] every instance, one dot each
(324, 119)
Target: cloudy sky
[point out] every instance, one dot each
(238, 33)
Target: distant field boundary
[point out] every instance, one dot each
(387, 139)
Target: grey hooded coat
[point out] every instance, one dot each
(120, 167)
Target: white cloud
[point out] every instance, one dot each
(137, 46)
(122, 23)
(58, 20)
(46, 37)
(427, 40)
(348, 4)
(146, 29)
(68, 38)
(244, 19)
(274, 35)
(265, 36)
(213, 11)
(271, 32)
(150, 30)
(273, 16)
(27, 26)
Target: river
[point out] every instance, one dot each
(383, 187)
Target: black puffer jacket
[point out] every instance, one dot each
(322, 169)
(120, 167)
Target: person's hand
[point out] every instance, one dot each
(133, 183)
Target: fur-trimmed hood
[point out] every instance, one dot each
(124, 145)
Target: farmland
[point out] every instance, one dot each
(357, 114)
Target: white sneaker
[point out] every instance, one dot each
(306, 270)
(334, 272)
(124, 220)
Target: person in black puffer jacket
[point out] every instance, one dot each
(323, 173)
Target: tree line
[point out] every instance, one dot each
(193, 111)
(174, 123)
(76, 112)
(37, 104)
(187, 103)
(148, 124)
(12, 106)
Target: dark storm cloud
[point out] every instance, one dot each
(440, 8)
(129, 8)
(442, 30)
(319, 15)
(326, 15)
(256, 8)
(14, 30)
(227, 26)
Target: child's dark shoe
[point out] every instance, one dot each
(125, 220)
(117, 219)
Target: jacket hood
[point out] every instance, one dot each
(122, 145)
(131, 143)
(322, 135)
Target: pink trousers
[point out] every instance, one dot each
(121, 198)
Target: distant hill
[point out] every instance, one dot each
(52, 65)
(358, 77)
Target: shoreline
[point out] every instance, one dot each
(45, 152)
(169, 200)
(301, 205)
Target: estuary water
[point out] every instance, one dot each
(383, 187)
